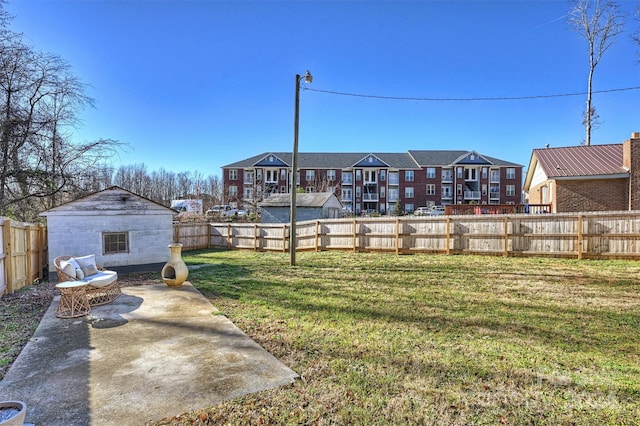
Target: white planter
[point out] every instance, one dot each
(12, 413)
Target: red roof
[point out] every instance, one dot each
(573, 161)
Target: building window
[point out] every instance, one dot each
(484, 172)
(471, 174)
(309, 189)
(409, 208)
(347, 194)
(233, 191)
(431, 189)
(248, 193)
(233, 174)
(347, 178)
(358, 176)
(495, 175)
(310, 175)
(382, 192)
(511, 190)
(459, 189)
(484, 189)
(383, 175)
(358, 189)
(431, 172)
(459, 172)
(393, 195)
(446, 191)
(408, 175)
(259, 174)
(394, 178)
(331, 175)
(408, 192)
(283, 174)
(447, 175)
(283, 189)
(248, 177)
(511, 173)
(115, 242)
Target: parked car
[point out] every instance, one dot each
(218, 210)
(236, 213)
(436, 211)
(429, 211)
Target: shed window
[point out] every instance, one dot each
(115, 242)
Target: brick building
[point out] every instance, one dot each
(586, 178)
(366, 182)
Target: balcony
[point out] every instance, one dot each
(370, 197)
(471, 195)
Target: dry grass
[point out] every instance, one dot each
(385, 339)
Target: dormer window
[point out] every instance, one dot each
(271, 159)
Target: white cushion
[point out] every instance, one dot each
(67, 268)
(88, 264)
(79, 274)
(102, 278)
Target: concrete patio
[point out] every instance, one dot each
(155, 352)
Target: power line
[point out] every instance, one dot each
(507, 98)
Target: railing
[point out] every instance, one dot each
(478, 209)
(577, 235)
(471, 195)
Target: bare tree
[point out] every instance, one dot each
(598, 22)
(39, 102)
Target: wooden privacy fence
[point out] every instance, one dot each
(23, 255)
(578, 235)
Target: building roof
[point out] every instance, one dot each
(346, 160)
(449, 158)
(111, 199)
(578, 161)
(313, 199)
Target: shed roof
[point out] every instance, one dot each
(313, 199)
(113, 199)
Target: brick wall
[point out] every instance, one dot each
(591, 195)
(634, 172)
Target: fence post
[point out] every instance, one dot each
(447, 245)
(8, 259)
(580, 236)
(228, 236)
(255, 237)
(29, 260)
(397, 235)
(284, 238)
(317, 234)
(355, 233)
(506, 236)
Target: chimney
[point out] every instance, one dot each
(631, 160)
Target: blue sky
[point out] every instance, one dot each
(194, 85)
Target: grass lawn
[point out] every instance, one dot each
(431, 339)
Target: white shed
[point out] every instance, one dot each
(125, 231)
(309, 206)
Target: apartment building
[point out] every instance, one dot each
(377, 182)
